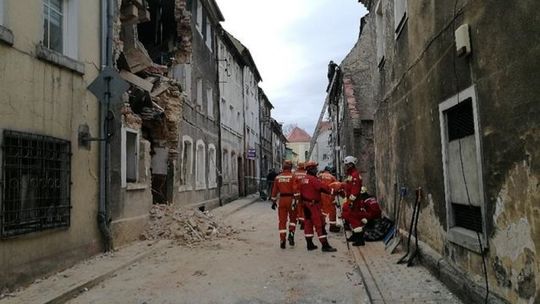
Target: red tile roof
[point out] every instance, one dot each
(298, 135)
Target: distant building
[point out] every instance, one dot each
(279, 141)
(299, 140)
(323, 150)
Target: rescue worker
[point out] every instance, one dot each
(370, 204)
(299, 175)
(328, 206)
(310, 191)
(283, 186)
(352, 210)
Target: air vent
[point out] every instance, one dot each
(460, 120)
(468, 217)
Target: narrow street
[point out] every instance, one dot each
(246, 268)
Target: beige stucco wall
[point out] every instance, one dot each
(299, 148)
(38, 97)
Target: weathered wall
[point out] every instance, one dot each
(420, 72)
(38, 97)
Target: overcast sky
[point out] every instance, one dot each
(292, 42)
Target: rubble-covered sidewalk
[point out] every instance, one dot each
(167, 227)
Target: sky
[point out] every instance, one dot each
(292, 42)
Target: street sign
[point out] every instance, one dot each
(117, 86)
(251, 153)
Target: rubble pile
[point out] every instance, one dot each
(188, 227)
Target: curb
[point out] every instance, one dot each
(241, 206)
(76, 290)
(367, 278)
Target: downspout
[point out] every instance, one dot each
(104, 108)
(260, 146)
(219, 164)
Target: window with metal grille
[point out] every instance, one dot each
(35, 183)
(468, 217)
(460, 120)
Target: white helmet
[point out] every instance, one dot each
(349, 160)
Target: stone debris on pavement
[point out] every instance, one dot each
(189, 227)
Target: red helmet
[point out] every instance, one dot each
(287, 165)
(311, 164)
(301, 166)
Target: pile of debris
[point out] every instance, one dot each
(188, 227)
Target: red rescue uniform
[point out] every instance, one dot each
(284, 187)
(353, 211)
(299, 175)
(327, 200)
(372, 208)
(310, 191)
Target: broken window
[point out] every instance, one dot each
(186, 170)
(36, 183)
(157, 30)
(212, 167)
(200, 166)
(53, 25)
(462, 169)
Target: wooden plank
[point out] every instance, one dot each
(136, 80)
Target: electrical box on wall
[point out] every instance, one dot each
(463, 40)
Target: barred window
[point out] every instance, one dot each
(35, 183)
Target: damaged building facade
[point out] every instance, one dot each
(456, 114)
(48, 178)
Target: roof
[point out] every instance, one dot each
(246, 54)
(298, 135)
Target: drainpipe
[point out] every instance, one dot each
(219, 155)
(104, 122)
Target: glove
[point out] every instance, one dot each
(274, 205)
(364, 221)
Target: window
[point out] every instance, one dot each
(199, 93)
(186, 168)
(212, 167)
(35, 184)
(234, 167)
(210, 102)
(53, 25)
(60, 26)
(223, 111)
(209, 34)
(1, 12)
(379, 23)
(231, 116)
(400, 15)
(130, 156)
(199, 10)
(462, 167)
(200, 166)
(225, 163)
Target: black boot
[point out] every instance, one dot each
(359, 241)
(282, 244)
(353, 237)
(291, 238)
(310, 245)
(334, 228)
(327, 248)
(301, 225)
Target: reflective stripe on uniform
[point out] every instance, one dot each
(358, 229)
(292, 224)
(283, 231)
(332, 223)
(322, 236)
(309, 235)
(300, 218)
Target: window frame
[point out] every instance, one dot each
(70, 28)
(210, 102)
(188, 177)
(123, 153)
(455, 234)
(212, 167)
(200, 166)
